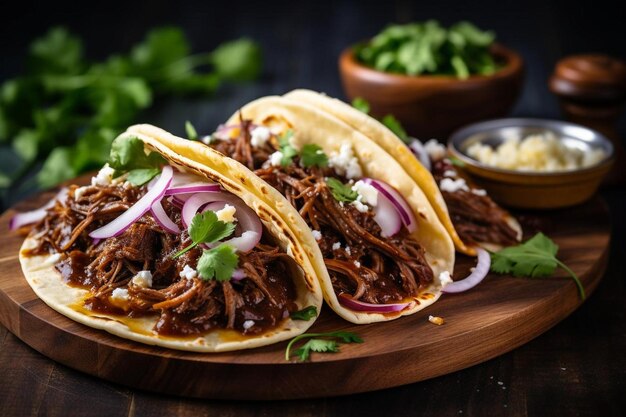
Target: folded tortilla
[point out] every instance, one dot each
(390, 142)
(211, 166)
(312, 126)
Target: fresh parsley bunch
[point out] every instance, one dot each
(66, 111)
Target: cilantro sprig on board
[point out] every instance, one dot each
(534, 258)
(320, 342)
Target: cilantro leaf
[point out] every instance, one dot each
(535, 258)
(192, 134)
(218, 263)
(141, 176)
(67, 110)
(284, 138)
(288, 151)
(361, 105)
(340, 191)
(206, 228)
(288, 154)
(394, 125)
(313, 155)
(316, 345)
(429, 48)
(305, 314)
(238, 60)
(128, 155)
(327, 344)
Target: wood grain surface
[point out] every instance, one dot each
(494, 318)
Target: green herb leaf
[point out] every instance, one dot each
(316, 345)
(313, 155)
(394, 125)
(206, 228)
(327, 344)
(288, 151)
(128, 155)
(305, 314)
(428, 48)
(340, 191)
(65, 102)
(192, 134)
(534, 258)
(142, 176)
(283, 139)
(218, 263)
(361, 105)
(238, 60)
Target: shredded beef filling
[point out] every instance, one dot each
(360, 262)
(183, 306)
(476, 218)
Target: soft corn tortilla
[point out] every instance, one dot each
(48, 283)
(390, 142)
(311, 125)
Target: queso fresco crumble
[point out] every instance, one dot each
(542, 152)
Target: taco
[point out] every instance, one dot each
(190, 260)
(469, 215)
(382, 252)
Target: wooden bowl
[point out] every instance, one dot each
(533, 190)
(433, 106)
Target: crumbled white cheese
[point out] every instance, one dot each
(367, 193)
(360, 206)
(336, 245)
(120, 294)
(207, 140)
(452, 186)
(316, 234)
(247, 324)
(444, 278)
(449, 173)
(143, 279)
(104, 177)
(259, 136)
(188, 272)
(479, 191)
(538, 152)
(227, 214)
(436, 150)
(79, 192)
(344, 162)
(276, 158)
(348, 251)
(357, 264)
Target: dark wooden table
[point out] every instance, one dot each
(576, 368)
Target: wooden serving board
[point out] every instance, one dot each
(493, 318)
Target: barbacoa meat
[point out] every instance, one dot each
(184, 306)
(364, 265)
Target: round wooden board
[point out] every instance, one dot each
(495, 317)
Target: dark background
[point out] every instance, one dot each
(576, 368)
